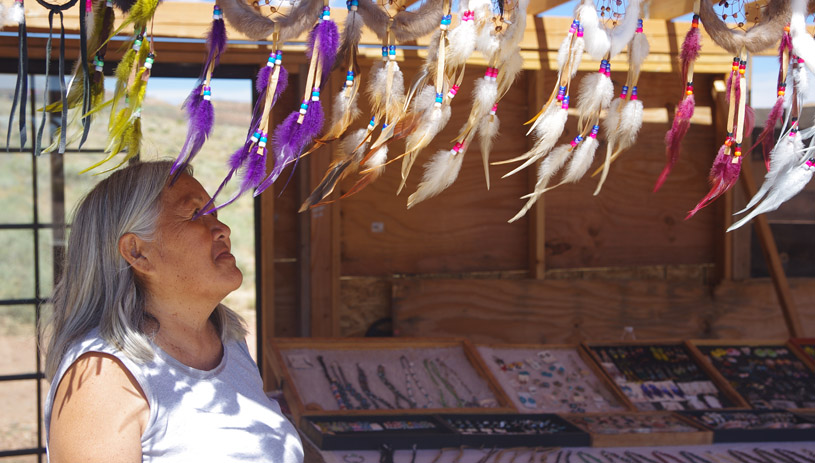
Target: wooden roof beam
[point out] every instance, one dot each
(539, 6)
(663, 9)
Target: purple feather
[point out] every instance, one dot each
(784, 45)
(201, 118)
(262, 79)
(311, 127)
(216, 42)
(329, 36)
(691, 47)
(282, 83)
(281, 141)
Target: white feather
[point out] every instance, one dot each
(789, 184)
(352, 142)
(640, 48)
(577, 55)
(397, 94)
(612, 120)
(800, 76)
(433, 121)
(630, 124)
(549, 131)
(487, 131)
(486, 42)
(563, 51)
(17, 13)
(376, 163)
(440, 172)
(376, 85)
(512, 65)
(424, 100)
(803, 44)
(594, 34)
(485, 93)
(581, 161)
(552, 123)
(547, 168)
(782, 158)
(344, 104)
(596, 92)
(461, 43)
(624, 32)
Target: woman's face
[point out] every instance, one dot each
(192, 257)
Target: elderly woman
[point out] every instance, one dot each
(145, 363)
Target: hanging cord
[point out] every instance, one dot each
(54, 9)
(21, 87)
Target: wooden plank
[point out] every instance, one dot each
(557, 311)
(669, 10)
(266, 275)
(771, 257)
(539, 6)
(627, 224)
(324, 242)
(463, 229)
(724, 241)
(537, 215)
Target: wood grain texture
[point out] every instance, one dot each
(554, 311)
(627, 224)
(363, 301)
(464, 228)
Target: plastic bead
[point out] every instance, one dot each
(565, 104)
(594, 131)
(452, 92)
(207, 93)
(148, 62)
(576, 141)
(216, 13)
(634, 93)
(494, 109)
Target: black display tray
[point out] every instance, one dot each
(567, 434)
(384, 429)
(723, 434)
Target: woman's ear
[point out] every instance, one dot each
(132, 250)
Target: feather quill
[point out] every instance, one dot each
(674, 137)
(375, 167)
(351, 150)
(487, 132)
(547, 132)
(581, 160)
(783, 159)
(597, 41)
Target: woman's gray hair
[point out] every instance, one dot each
(98, 288)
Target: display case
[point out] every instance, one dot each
(767, 374)
(370, 376)
(632, 429)
(754, 425)
(551, 379)
(369, 432)
(514, 430)
(663, 375)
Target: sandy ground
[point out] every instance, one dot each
(18, 399)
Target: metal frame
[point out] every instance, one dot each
(37, 67)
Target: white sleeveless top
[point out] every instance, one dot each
(219, 415)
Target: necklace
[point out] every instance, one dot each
(793, 454)
(363, 384)
(426, 363)
(349, 388)
(662, 457)
(768, 457)
(586, 456)
(398, 397)
(410, 374)
(336, 390)
(693, 458)
(448, 372)
(433, 369)
(743, 457)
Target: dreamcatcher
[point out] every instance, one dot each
(602, 30)
(789, 165)
(740, 120)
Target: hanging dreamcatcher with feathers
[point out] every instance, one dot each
(790, 165)
(602, 30)
(739, 41)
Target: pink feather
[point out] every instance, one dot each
(691, 47)
(673, 139)
(723, 175)
(766, 137)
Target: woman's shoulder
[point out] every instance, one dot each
(98, 409)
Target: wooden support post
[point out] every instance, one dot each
(724, 241)
(265, 270)
(537, 217)
(770, 251)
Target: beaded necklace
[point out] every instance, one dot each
(398, 397)
(349, 388)
(363, 384)
(637, 458)
(693, 458)
(769, 457)
(743, 457)
(662, 457)
(410, 374)
(336, 390)
(426, 363)
(434, 370)
(586, 456)
(448, 372)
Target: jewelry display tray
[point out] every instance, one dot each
(735, 381)
(305, 385)
(726, 434)
(438, 432)
(805, 348)
(637, 429)
(440, 435)
(731, 398)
